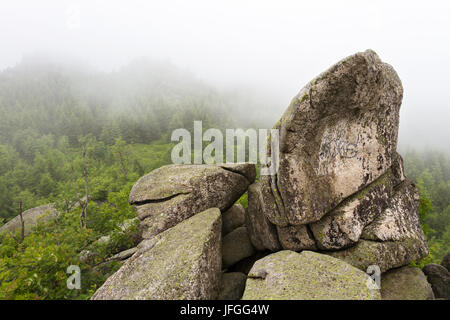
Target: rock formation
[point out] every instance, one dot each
(31, 218)
(340, 190)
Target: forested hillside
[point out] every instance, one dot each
(123, 120)
(47, 111)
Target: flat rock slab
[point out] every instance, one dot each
(170, 194)
(386, 255)
(306, 276)
(31, 218)
(183, 262)
(406, 283)
(338, 135)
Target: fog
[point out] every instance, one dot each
(269, 48)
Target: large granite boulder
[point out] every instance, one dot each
(183, 262)
(262, 233)
(31, 218)
(306, 276)
(170, 194)
(338, 135)
(439, 278)
(406, 283)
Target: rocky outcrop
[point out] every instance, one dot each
(181, 263)
(406, 283)
(439, 278)
(232, 286)
(173, 193)
(306, 276)
(340, 190)
(31, 218)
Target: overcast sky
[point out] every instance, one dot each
(273, 46)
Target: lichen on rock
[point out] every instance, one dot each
(183, 262)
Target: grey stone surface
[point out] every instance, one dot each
(170, 194)
(338, 135)
(306, 276)
(183, 262)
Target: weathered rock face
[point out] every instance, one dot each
(236, 246)
(181, 263)
(233, 218)
(439, 278)
(338, 135)
(395, 237)
(400, 220)
(386, 255)
(173, 193)
(262, 232)
(342, 227)
(306, 276)
(232, 286)
(31, 218)
(406, 283)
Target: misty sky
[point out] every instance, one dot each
(274, 47)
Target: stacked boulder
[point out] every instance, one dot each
(340, 191)
(340, 187)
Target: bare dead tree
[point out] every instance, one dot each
(22, 223)
(86, 187)
(80, 202)
(122, 163)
